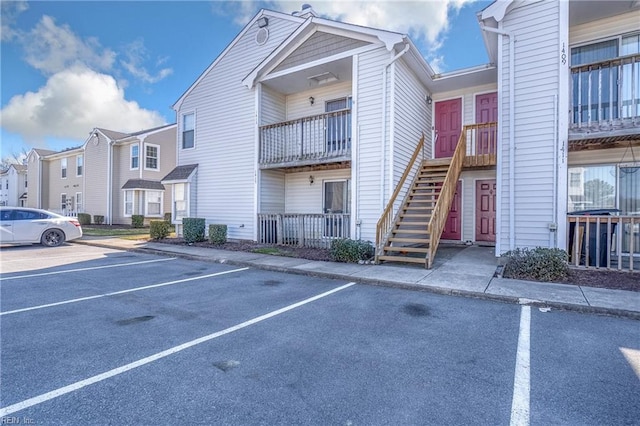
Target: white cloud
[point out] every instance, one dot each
(71, 103)
(9, 11)
(51, 48)
(136, 55)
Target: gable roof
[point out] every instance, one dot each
(260, 14)
(180, 173)
(143, 184)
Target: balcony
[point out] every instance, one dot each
(302, 230)
(605, 100)
(318, 139)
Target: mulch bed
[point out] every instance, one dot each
(585, 277)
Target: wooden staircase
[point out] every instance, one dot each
(409, 238)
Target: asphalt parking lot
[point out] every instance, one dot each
(97, 336)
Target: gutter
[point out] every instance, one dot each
(512, 144)
(385, 70)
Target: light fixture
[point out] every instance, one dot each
(429, 100)
(310, 179)
(312, 100)
(263, 22)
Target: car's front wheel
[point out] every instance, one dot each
(52, 238)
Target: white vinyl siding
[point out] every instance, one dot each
(226, 129)
(298, 104)
(302, 197)
(273, 107)
(537, 78)
(605, 28)
(369, 113)
(272, 191)
(96, 178)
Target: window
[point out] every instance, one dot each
(6, 184)
(128, 203)
(79, 163)
(63, 202)
(25, 181)
(180, 201)
(135, 156)
(151, 154)
(154, 203)
(188, 131)
(338, 124)
(336, 205)
(78, 202)
(63, 167)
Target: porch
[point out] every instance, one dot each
(303, 230)
(316, 139)
(605, 98)
(604, 242)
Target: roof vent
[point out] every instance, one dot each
(306, 11)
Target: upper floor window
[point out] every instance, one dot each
(151, 156)
(63, 168)
(135, 156)
(79, 164)
(188, 131)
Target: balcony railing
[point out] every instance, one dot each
(606, 94)
(302, 230)
(609, 242)
(481, 143)
(308, 140)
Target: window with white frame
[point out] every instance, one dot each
(78, 202)
(63, 202)
(188, 130)
(63, 168)
(151, 156)
(128, 203)
(135, 156)
(154, 203)
(79, 164)
(180, 192)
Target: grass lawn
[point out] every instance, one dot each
(101, 231)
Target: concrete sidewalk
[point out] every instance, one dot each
(464, 271)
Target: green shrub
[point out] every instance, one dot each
(539, 264)
(84, 218)
(352, 251)
(98, 219)
(137, 221)
(217, 234)
(158, 229)
(193, 231)
(167, 217)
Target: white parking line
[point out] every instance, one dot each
(522, 378)
(117, 265)
(113, 293)
(116, 371)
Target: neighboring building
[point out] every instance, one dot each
(304, 130)
(113, 174)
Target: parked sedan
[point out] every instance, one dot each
(21, 225)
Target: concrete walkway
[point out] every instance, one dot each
(464, 271)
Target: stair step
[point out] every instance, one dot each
(409, 240)
(407, 249)
(403, 259)
(411, 223)
(416, 215)
(410, 231)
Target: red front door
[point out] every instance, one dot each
(452, 229)
(487, 112)
(448, 125)
(486, 210)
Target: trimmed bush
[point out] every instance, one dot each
(539, 264)
(158, 229)
(137, 221)
(351, 251)
(217, 234)
(84, 218)
(98, 219)
(193, 229)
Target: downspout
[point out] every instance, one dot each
(512, 144)
(554, 243)
(385, 70)
(109, 181)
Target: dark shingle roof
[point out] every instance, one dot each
(143, 184)
(180, 172)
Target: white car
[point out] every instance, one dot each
(21, 225)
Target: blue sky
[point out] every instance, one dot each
(67, 67)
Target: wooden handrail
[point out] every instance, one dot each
(386, 219)
(441, 209)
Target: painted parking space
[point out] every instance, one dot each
(256, 346)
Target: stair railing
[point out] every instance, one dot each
(387, 219)
(441, 209)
